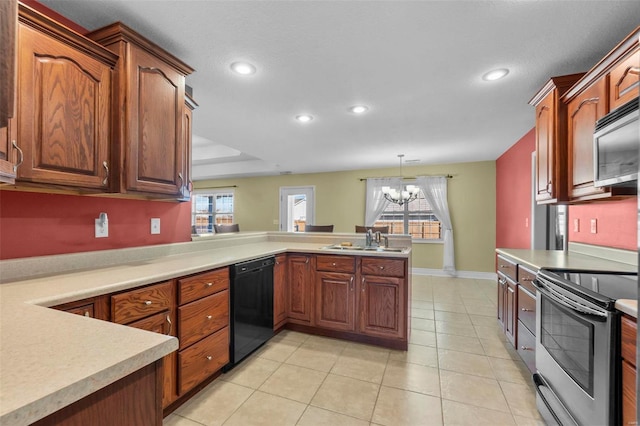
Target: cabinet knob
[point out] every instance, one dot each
(209, 317)
(381, 268)
(209, 284)
(87, 314)
(526, 310)
(209, 357)
(333, 264)
(147, 302)
(504, 266)
(526, 348)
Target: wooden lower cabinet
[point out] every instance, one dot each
(202, 359)
(501, 298)
(94, 307)
(629, 330)
(280, 291)
(510, 312)
(383, 306)
(335, 301)
(132, 400)
(300, 279)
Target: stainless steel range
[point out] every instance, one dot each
(577, 345)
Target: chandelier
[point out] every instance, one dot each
(405, 194)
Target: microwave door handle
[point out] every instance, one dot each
(568, 303)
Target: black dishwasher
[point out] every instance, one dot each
(251, 307)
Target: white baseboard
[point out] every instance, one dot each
(459, 274)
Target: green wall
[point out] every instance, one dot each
(340, 200)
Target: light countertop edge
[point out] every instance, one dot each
(43, 365)
(628, 306)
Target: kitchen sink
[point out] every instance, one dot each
(378, 249)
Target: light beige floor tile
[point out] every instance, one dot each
(396, 407)
(366, 352)
(521, 399)
(422, 313)
(325, 344)
(215, 403)
(447, 307)
(486, 321)
(459, 414)
(412, 377)
(360, 368)
(452, 317)
(293, 382)
(462, 362)
(490, 332)
(457, 328)
(474, 390)
(499, 349)
(526, 421)
(252, 372)
(417, 354)
(424, 338)
(314, 416)
(421, 304)
(460, 343)
(510, 370)
(278, 351)
(316, 359)
(487, 311)
(293, 336)
(264, 409)
(175, 420)
(477, 301)
(348, 396)
(423, 324)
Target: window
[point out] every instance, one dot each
(415, 218)
(209, 208)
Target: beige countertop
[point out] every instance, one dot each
(628, 306)
(50, 359)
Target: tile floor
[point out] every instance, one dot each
(459, 370)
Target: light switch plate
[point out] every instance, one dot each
(594, 226)
(576, 225)
(102, 231)
(155, 225)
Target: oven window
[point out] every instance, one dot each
(569, 340)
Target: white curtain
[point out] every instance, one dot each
(375, 202)
(435, 191)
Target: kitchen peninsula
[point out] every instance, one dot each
(51, 359)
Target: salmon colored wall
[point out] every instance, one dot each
(616, 224)
(34, 224)
(513, 194)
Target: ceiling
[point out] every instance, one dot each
(416, 64)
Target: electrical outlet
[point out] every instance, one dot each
(155, 225)
(594, 226)
(526, 222)
(102, 226)
(576, 225)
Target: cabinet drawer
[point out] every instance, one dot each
(202, 317)
(157, 323)
(137, 304)
(201, 285)
(628, 341)
(527, 347)
(527, 309)
(383, 267)
(336, 264)
(84, 310)
(526, 278)
(506, 267)
(202, 359)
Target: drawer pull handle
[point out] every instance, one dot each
(21, 160)
(527, 279)
(502, 281)
(147, 302)
(106, 172)
(526, 310)
(209, 284)
(504, 266)
(209, 357)
(381, 268)
(170, 325)
(526, 348)
(87, 314)
(351, 283)
(333, 264)
(209, 317)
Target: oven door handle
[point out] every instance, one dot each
(571, 304)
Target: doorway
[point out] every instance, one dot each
(297, 207)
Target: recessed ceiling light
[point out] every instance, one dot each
(304, 118)
(495, 74)
(243, 68)
(359, 109)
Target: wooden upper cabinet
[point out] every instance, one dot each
(64, 101)
(150, 103)
(551, 136)
(187, 182)
(624, 80)
(8, 35)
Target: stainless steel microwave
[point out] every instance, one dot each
(616, 144)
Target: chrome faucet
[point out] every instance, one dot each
(369, 238)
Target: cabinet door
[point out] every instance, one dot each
(300, 288)
(584, 110)
(511, 313)
(382, 308)
(155, 148)
(279, 291)
(8, 32)
(545, 151)
(335, 301)
(185, 176)
(63, 114)
(10, 155)
(502, 291)
(623, 80)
